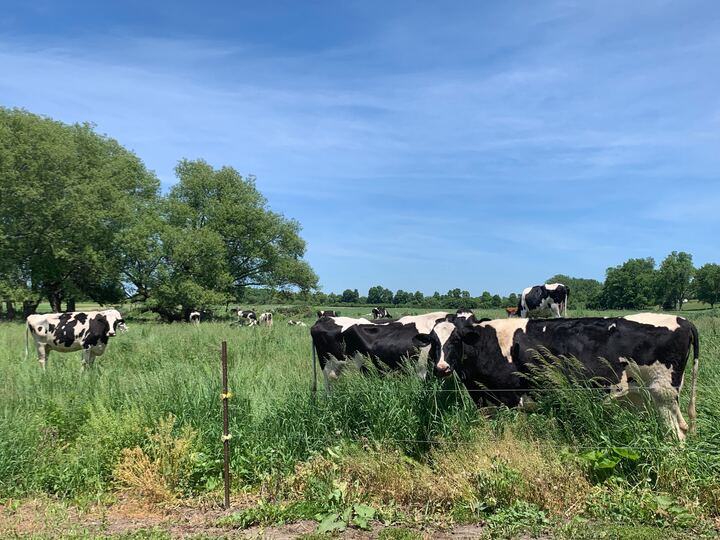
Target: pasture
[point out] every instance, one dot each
(145, 424)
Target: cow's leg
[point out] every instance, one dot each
(88, 358)
(665, 397)
(43, 351)
(555, 308)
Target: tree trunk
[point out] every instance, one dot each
(55, 299)
(10, 308)
(70, 305)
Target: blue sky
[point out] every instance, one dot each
(422, 145)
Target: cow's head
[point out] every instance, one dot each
(446, 348)
(115, 321)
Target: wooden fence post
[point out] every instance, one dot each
(226, 428)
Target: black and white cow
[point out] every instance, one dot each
(553, 296)
(265, 319)
(247, 315)
(387, 343)
(464, 312)
(493, 358)
(194, 317)
(296, 323)
(327, 313)
(380, 313)
(73, 331)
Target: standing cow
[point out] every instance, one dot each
(327, 313)
(265, 319)
(73, 331)
(194, 317)
(551, 295)
(623, 354)
(387, 343)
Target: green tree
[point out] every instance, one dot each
(379, 295)
(629, 285)
(674, 279)
(263, 248)
(707, 283)
(350, 296)
(402, 297)
(65, 198)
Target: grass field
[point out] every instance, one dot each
(145, 423)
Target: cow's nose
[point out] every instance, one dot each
(443, 369)
(111, 334)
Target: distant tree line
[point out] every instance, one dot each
(81, 218)
(635, 284)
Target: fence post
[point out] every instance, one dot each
(226, 428)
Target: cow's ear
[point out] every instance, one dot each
(468, 335)
(425, 339)
(451, 317)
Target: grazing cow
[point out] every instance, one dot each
(266, 319)
(380, 313)
(511, 311)
(327, 313)
(72, 331)
(387, 343)
(622, 354)
(247, 315)
(194, 317)
(296, 323)
(552, 295)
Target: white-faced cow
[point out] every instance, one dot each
(296, 323)
(194, 317)
(73, 331)
(380, 313)
(387, 343)
(327, 313)
(265, 319)
(247, 315)
(622, 354)
(553, 296)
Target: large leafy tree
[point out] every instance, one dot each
(379, 295)
(212, 237)
(65, 196)
(674, 279)
(263, 248)
(630, 285)
(583, 291)
(707, 283)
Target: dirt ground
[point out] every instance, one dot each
(46, 518)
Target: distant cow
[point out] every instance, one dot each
(380, 313)
(247, 315)
(73, 331)
(511, 311)
(194, 317)
(296, 323)
(327, 313)
(387, 343)
(552, 295)
(265, 319)
(622, 354)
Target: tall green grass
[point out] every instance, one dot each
(63, 432)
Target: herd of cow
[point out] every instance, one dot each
(627, 356)
(631, 356)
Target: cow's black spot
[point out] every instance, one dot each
(51, 327)
(97, 331)
(39, 328)
(82, 317)
(65, 331)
